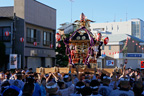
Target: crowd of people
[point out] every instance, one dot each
(121, 82)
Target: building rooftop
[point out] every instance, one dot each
(64, 26)
(121, 37)
(7, 11)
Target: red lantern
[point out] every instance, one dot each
(104, 53)
(139, 46)
(59, 45)
(142, 48)
(136, 43)
(133, 41)
(110, 53)
(51, 45)
(115, 52)
(98, 37)
(58, 37)
(35, 43)
(118, 52)
(7, 33)
(22, 39)
(106, 40)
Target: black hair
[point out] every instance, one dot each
(28, 88)
(60, 84)
(19, 75)
(94, 83)
(138, 88)
(30, 79)
(86, 91)
(79, 84)
(30, 69)
(65, 79)
(3, 86)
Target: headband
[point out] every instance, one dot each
(106, 77)
(66, 76)
(46, 75)
(5, 87)
(53, 86)
(124, 79)
(95, 87)
(80, 87)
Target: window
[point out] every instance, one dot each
(2, 34)
(102, 47)
(106, 28)
(47, 38)
(109, 47)
(135, 48)
(31, 35)
(117, 27)
(136, 29)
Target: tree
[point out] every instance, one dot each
(2, 54)
(61, 57)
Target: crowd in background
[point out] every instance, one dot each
(123, 82)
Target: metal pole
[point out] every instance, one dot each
(13, 37)
(71, 9)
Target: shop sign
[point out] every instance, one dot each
(109, 62)
(142, 64)
(13, 61)
(134, 55)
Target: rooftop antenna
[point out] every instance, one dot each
(126, 15)
(71, 9)
(114, 18)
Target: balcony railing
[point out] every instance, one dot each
(31, 40)
(47, 43)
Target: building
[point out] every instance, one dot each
(115, 57)
(66, 28)
(35, 22)
(134, 27)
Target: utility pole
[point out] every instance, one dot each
(71, 10)
(126, 16)
(13, 37)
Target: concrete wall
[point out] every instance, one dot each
(113, 27)
(40, 14)
(142, 29)
(19, 8)
(118, 27)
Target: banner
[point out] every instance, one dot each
(109, 62)
(142, 64)
(13, 61)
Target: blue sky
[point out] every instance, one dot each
(97, 10)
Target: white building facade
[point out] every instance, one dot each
(134, 27)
